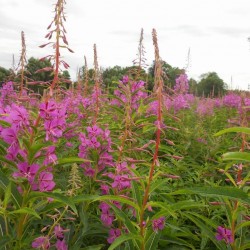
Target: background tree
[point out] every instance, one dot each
(211, 85)
(4, 74)
(33, 65)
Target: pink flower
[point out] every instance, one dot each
(158, 224)
(121, 182)
(61, 245)
(27, 171)
(224, 234)
(181, 85)
(41, 242)
(46, 182)
(113, 234)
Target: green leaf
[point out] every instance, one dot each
(7, 195)
(70, 160)
(152, 241)
(58, 197)
(236, 156)
(124, 218)
(15, 195)
(206, 230)
(157, 184)
(11, 163)
(136, 193)
(224, 192)
(120, 199)
(4, 241)
(35, 148)
(26, 210)
(81, 198)
(123, 238)
(5, 124)
(94, 247)
(235, 130)
(241, 225)
(245, 247)
(176, 241)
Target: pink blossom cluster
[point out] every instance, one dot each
(182, 85)
(95, 141)
(205, 107)
(18, 118)
(7, 93)
(232, 100)
(44, 242)
(54, 115)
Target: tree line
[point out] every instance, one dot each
(209, 84)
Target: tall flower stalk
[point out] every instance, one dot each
(22, 63)
(85, 77)
(97, 80)
(158, 90)
(60, 42)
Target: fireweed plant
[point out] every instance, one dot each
(81, 169)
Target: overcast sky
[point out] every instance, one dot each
(216, 32)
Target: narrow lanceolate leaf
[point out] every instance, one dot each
(235, 130)
(26, 210)
(136, 193)
(124, 238)
(120, 199)
(152, 241)
(58, 197)
(15, 195)
(124, 218)
(224, 192)
(71, 160)
(236, 156)
(7, 195)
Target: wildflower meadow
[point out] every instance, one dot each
(124, 166)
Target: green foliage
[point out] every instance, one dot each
(4, 74)
(211, 85)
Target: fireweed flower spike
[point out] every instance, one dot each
(224, 234)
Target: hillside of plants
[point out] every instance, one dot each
(133, 163)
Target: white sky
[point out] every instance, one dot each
(216, 31)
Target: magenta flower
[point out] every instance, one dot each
(27, 171)
(94, 131)
(125, 79)
(121, 182)
(158, 224)
(58, 230)
(19, 116)
(181, 85)
(9, 135)
(50, 156)
(41, 242)
(61, 245)
(46, 182)
(105, 189)
(113, 234)
(224, 234)
(48, 109)
(106, 217)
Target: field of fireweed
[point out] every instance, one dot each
(124, 167)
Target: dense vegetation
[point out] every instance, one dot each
(121, 159)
